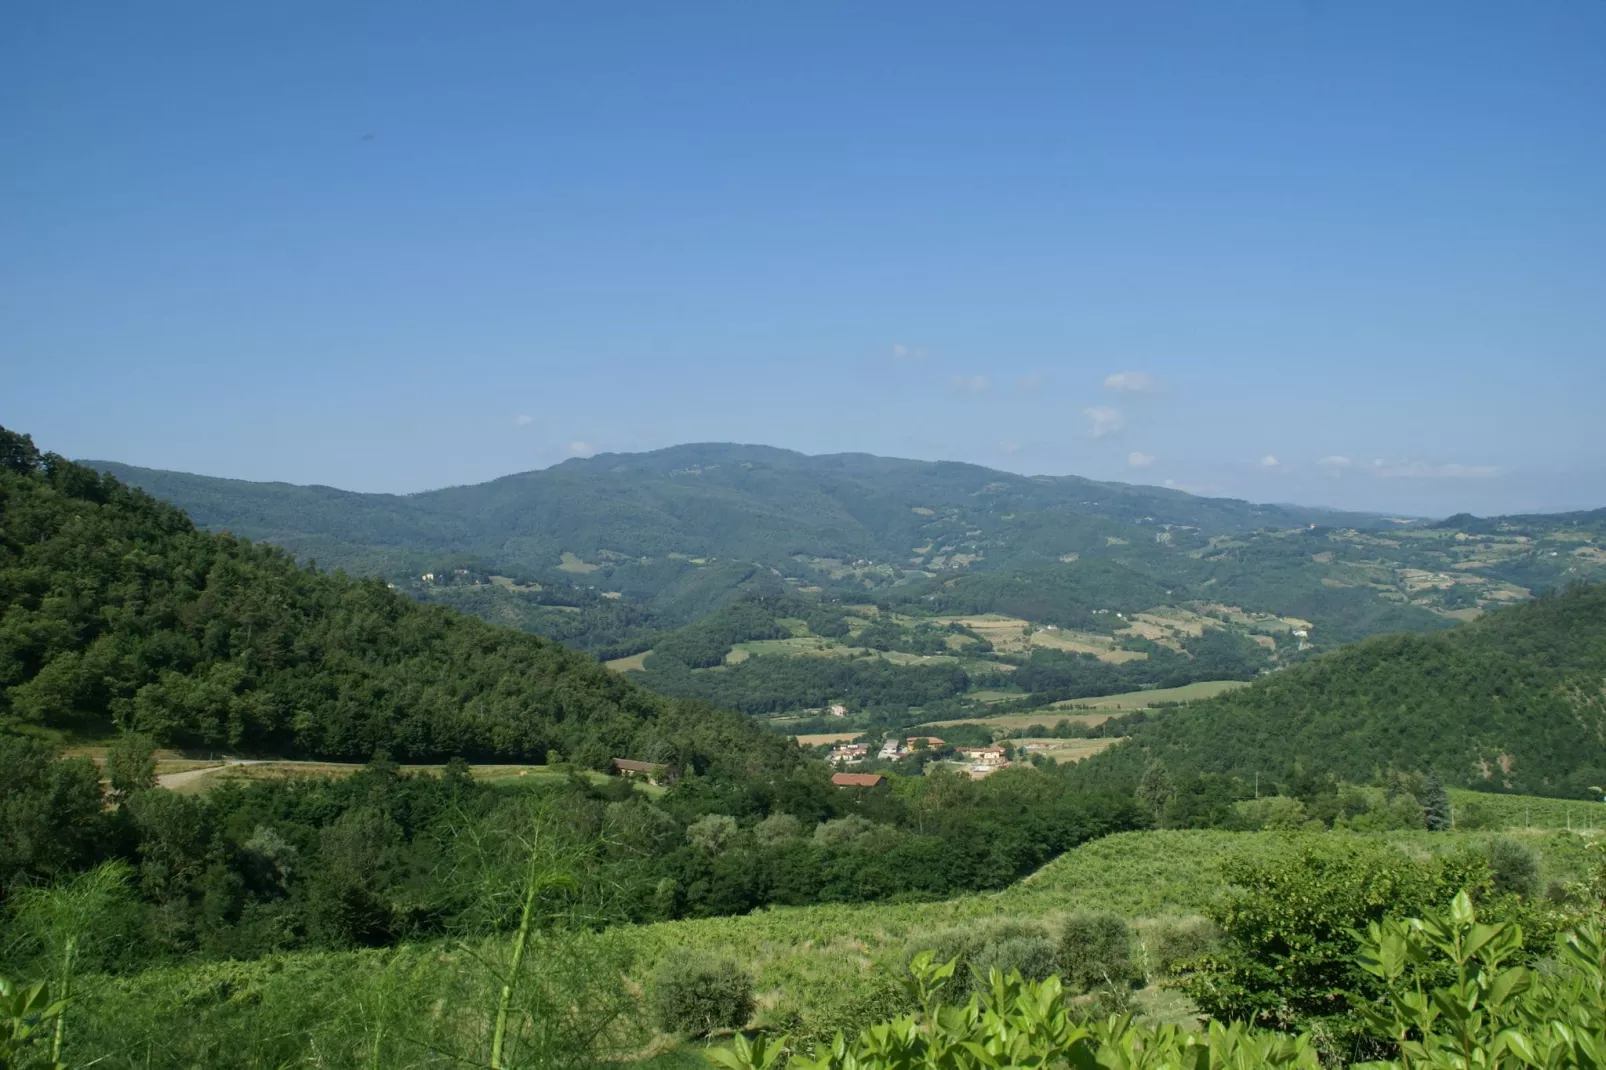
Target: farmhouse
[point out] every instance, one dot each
(983, 755)
(651, 772)
(891, 749)
(848, 753)
(858, 780)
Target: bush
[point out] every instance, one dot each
(1174, 943)
(695, 994)
(1513, 869)
(1005, 944)
(1095, 949)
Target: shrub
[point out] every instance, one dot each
(695, 994)
(1095, 949)
(1174, 943)
(1513, 869)
(1005, 944)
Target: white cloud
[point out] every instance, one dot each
(1171, 483)
(970, 384)
(1103, 421)
(1139, 460)
(1269, 461)
(1008, 447)
(1132, 383)
(899, 349)
(1335, 464)
(903, 352)
(1423, 470)
(1029, 382)
(581, 449)
(523, 419)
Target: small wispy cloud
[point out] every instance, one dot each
(1269, 461)
(903, 352)
(1335, 463)
(1132, 383)
(1424, 470)
(970, 384)
(1102, 421)
(1136, 459)
(578, 448)
(1029, 382)
(1008, 447)
(523, 419)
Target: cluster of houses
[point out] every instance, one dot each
(979, 761)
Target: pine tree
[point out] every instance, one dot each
(1156, 788)
(1435, 804)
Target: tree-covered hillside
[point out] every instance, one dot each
(610, 553)
(116, 611)
(1515, 701)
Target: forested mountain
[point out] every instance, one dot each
(1514, 701)
(609, 553)
(115, 610)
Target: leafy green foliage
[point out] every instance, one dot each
(1288, 926)
(1095, 950)
(697, 994)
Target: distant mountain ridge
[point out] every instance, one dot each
(610, 551)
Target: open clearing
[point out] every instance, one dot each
(821, 739)
(571, 563)
(634, 663)
(1045, 717)
(203, 776)
(1139, 700)
(1066, 750)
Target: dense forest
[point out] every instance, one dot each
(384, 856)
(118, 613)
(1515, 701)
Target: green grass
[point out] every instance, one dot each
(1137, 700)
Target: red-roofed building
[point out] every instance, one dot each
(858, 780)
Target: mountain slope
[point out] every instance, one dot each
(114, 609)
(1514, 701)
(608, 552)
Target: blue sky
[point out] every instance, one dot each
(1342, 253)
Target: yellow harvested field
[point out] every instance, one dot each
(634, 663)
(824, 739)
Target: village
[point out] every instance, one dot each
(978, 762)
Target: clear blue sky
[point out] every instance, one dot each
(1334, 252)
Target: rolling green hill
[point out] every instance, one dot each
(616, 554)
(1515, 701)
(116, 611)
